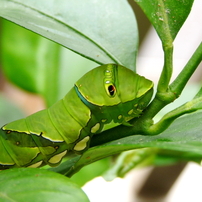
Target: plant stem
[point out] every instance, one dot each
(167, 69)
(167, 94)
(179, 83)
(163, 96)
(167, 119)
(172, 93)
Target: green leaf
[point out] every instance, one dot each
(30, 61)
(107, 29)
(139, 158)
(37, 185)
(167, 17)
(38, 68)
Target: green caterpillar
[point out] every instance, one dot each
(105, 97)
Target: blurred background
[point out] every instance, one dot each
(146, 184)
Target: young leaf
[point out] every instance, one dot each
(167, 17)
(129, 160)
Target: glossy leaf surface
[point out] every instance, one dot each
(37, 185)
(107, 29)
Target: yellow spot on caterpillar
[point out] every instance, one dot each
(35, 165)
(110, 125)
(95, 128)
(130, 112)
(104, 120)
(81, 145)
(108, 73)
(120, 116)
(57, 158)
(139, 111)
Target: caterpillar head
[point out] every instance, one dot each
(111, 84)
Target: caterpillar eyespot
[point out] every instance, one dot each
(111, 90)
(110, 93)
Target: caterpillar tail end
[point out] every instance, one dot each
(6, 161)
